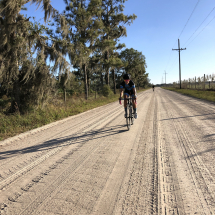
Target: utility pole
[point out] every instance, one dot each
(162, 80)
(165, 76)
(179, 49)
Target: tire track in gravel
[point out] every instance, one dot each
(170, 198)
(191, 131)
(77, 125)
(139, 194)
(57, 182)
(107, 201)
(16, 196)
(201, 177)
(94, 149)
(15, 172)
(29, 167)
(46, 155)
(84, 202)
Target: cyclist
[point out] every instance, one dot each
(130, 90)
(153, 86)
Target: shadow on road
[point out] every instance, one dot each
(184, 117)
(80, 137)
(200, 153)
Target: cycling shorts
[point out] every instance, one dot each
(129, 93)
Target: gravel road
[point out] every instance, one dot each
(91, 164)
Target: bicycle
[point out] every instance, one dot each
(130, 114)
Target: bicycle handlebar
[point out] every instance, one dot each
(126, 99)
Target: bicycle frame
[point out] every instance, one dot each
(130, 115)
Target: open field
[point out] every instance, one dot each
(91, 164)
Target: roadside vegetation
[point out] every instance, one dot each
(207, 94)
(14, 124)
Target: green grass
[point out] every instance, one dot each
(11, 125)
(208, 95)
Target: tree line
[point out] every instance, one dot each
(80, 49)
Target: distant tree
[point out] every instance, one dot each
(134, 63)
(83, 18)
(114, 22)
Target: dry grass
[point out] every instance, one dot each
(208, 95)
(11, 125)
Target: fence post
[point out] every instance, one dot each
(195, 82)
(204, 81)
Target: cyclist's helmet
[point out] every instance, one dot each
(126, 76)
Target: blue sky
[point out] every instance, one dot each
(156, 30)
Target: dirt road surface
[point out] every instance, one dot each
(91, 164)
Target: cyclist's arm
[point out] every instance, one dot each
(134, 91)
(121, 89)
(121, 92)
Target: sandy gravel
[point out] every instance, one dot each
(91, 163)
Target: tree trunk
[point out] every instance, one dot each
(15, 104)
(107, 70)
(85, 82)
(88, 84)
(64, 93)
(114, 81)
(107, 53)
(107, 79)
(101, 78)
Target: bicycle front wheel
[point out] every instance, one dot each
(131, 116)
(128, 121)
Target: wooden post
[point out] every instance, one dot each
(195, 82)
(204, 81)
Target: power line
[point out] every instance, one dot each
(170, 56)
(189, 18)
(200, 25)
(174, 62)
(168, 60)
(201, 31)
(184, 28)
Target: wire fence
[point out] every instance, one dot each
(205, 82)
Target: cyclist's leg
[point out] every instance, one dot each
(126, 95)
(134, 107)
(134, 102)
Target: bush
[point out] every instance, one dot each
(106, 91)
